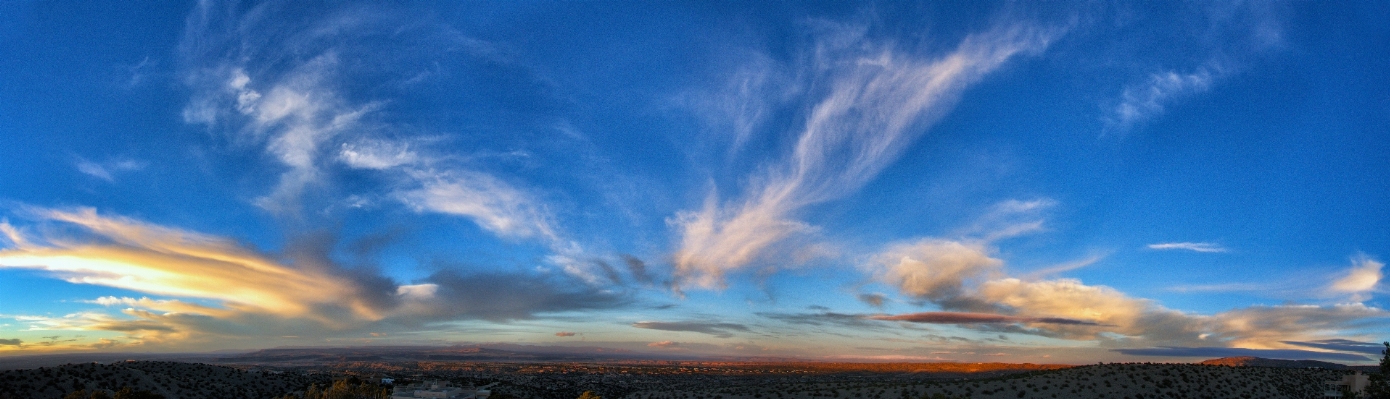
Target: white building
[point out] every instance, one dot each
(1349, 383)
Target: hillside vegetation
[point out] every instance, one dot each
(169, 379)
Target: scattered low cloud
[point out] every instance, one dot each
(721, 330)
(1190, 246)
(11, 342)
(665, 344)
(565, 334)
(977, 318)
(962, 277)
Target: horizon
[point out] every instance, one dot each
(1044, 183)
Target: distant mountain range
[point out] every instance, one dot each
(488, 353)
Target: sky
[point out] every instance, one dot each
(1054, 182)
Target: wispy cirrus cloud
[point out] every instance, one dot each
(107, 170)
(281, 87)
(1207, 247)
(877, 100)
(1144, 101)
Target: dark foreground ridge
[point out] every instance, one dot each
(668, 379)
(172, 380)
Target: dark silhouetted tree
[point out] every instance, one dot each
(1379, 386)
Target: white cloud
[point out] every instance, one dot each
(1363, 277)
(376, 154)
(1190, 246)
(106, 170)
(962, 276)
(935, 269)
(1145, 101)
(876, 102)
(295, 111)
(493, 204)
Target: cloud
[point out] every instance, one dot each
(1364, 275)
(493, 204)
(565, 334)
(664, 344)
(977, 318)
(1141, 102)
(936, 270)
(962, 276)
(1010, 218)
(281, 85)
(1217, 352)
(11, 342)
(721, 330)
(637, 268)
(165, 261)
(505, 296)
(1065, 267)
(873, 299)
(255, 294)
(376, 154)
(106, 170)
(876, 102)
(1268, 327)
(1190, 246)
(1342, 345)
(852, 322)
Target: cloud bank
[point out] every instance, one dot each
(244, 293)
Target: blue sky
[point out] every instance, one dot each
(878, 181)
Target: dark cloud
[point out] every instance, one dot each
(875, 300)
(565, 334)
(502, 296)
(374, 243)
(609, 272)
(11, 342)
(824, 319)
(721, 330)
(1215, 352)
(1342, 345)
(978, 318)
(637, 268)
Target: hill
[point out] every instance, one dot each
(170, 379)
(1252, 361)
(1135, 381)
